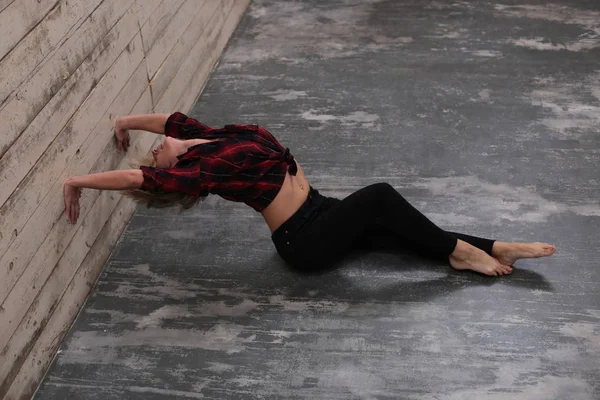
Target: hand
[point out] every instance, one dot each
(122, 135)
(71, 195)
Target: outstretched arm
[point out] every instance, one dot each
(176, 125)
(154, 123)
(112, 180)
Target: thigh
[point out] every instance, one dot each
(385, 240)
(332, 234)
(377, 239)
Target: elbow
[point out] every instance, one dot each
(135, 179)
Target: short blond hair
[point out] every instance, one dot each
(158, 199)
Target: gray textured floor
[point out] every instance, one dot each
(484, 115)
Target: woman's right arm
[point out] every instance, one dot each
(111, 180)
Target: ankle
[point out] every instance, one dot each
(462, 250)
(500, 248)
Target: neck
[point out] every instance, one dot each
(182, 147)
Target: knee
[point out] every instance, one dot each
(386, 195)
(384, 188)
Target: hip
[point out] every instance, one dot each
(291, 196)
(293, 236)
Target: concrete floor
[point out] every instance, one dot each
(485, 115)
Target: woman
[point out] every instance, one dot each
(245, 163)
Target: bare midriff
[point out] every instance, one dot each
(291, 196)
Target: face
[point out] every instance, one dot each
(164, 154)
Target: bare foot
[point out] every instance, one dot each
(469, 257)
(508, 253)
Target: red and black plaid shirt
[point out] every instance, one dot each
(244, 163)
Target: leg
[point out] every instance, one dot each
(379, 239)
(481, 243)
(507, 253)
(333, 233)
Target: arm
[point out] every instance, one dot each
(154, 123)
(112, 180)
(176, 125)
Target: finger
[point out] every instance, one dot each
(70, 211)
(119, 145)
(66, 206)
(67, 211)
(76, 211)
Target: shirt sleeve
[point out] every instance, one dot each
(180, 126)
(184, 180)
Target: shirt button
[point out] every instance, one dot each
(288, 242)
(286, 231)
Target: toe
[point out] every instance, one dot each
(548, 249)
(503, 269)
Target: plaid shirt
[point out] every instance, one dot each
(244, 163)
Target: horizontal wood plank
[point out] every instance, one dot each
(53, 84)
(181, 80)
(59, 110)
(55, 28)
(50, 170)
(31, 269)
(5, 3)
(49, 76)
(158, 22)
(19, 18)
(182, 49)
(99, 205)
(27, 378)
(31, 145)
(175, 29)
(213, 52)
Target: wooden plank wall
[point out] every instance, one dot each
(67, 68)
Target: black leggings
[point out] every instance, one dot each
(325, 229)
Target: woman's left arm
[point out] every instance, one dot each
(112, 180)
